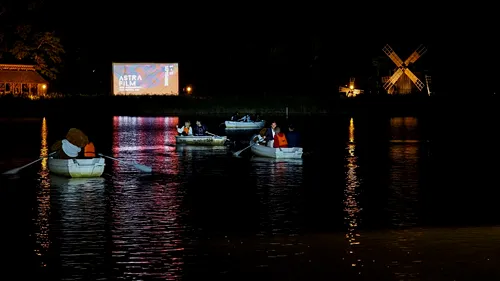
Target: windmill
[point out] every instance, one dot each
(350, 91)
(403, 83)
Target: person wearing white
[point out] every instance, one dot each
(70, 149)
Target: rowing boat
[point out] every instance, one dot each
(245, 125)
(279, 153)
(201, 140)
(77, 168)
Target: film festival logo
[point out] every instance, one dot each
(169, 70)
(129, 82)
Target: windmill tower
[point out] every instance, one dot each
(401, 80)
(350, 91)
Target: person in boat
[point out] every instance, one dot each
(260, 138)
(89, 150)
(293, 137)
(199, 129)
(245, 118)
(270, 134)
(257, 118)
(70, 147)
(280, 140)
(236, 116)
(185, 130)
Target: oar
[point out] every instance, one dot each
(141, 167)
(237, 153)
(16, 170)
(208, 133)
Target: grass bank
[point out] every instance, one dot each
(165, 105)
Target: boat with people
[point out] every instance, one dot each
(245, 125)
(278, 153)
(77, 168)
(210, 140)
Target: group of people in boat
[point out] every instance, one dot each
(187, 130)
(75, 145)
(274, 137)
(245, 118)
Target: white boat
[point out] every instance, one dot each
(245, 125)
(278, 153)
(77, 168)
(201, 140)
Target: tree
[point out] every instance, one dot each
(23, 42)
(43, 49)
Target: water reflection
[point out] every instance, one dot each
(201, 159)
(147, 227)
(43, 201)
(146, 140)
(403, 197)
(404, 129)
(278, 190)
(351, 207)
(82, 226)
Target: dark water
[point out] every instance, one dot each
(374, 198)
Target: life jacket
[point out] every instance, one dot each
(89, 150)
(280, 140)
(186, 130)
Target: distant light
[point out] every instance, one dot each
(44, 86)
(351, 87)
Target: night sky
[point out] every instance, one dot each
(256, 48)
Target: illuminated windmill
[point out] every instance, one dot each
(350, 91)
(398, 82)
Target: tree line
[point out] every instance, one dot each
(23, 39)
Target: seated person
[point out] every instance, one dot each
(279, 139)
(71, 146)
(270, 133)
(293, 137)
(260, 139)
(185, 130)
(89, 150)
(245, 118)
(235, 116)
(199, 129)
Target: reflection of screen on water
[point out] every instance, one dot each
(145, 79)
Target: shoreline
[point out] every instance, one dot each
(226, 106)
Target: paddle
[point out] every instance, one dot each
(208, 133)
(16, 170)
(141, 167)
(237, 153)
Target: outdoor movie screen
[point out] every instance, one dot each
(145, 79)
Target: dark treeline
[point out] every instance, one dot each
(232, 53)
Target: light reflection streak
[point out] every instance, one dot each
(404, 186)
(43, 200)
(351, 206)
(146, 140)
(147, 232)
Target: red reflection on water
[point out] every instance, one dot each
(147, 213)
(147, 140)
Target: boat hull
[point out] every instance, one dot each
(277, 153)
(244, 125)
(77, 168)
(201, 140)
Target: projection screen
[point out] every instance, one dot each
(145, 79)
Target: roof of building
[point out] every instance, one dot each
(17, 67)
(21, 76)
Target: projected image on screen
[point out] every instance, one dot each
(145, 79)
